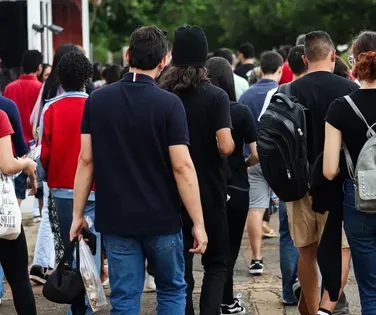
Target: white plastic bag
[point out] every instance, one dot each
(40, 173)
(91, 278)
(10, 213)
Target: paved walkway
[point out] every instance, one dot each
(262, 294)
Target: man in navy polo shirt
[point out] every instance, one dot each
(134, 144)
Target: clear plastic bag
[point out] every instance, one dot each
(91, 278)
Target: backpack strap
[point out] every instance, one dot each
(285, 89)
(349, 162)
(370, 132)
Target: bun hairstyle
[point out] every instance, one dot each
(364, 50)
(365, 67)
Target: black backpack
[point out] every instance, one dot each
(282, 146)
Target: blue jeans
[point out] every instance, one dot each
(44, 253)
(64, 209)
(126, 261)
(2, 287)
(360, 229)
(288, 256)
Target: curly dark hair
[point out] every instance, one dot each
(53, 83)
(179, 80)
(74, 71)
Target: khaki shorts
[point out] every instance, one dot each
(306, 226)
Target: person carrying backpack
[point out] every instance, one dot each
(350, 123)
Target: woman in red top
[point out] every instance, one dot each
(14, 254)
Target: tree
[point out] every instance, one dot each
(267, 24)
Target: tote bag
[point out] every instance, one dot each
(10, 213)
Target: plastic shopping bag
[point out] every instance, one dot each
(91, 278)
(10, 213)
(35, 156)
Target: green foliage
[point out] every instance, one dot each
(100, 50)
(267, 23)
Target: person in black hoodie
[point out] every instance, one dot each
(209, 124)
(360, 227)
(244, 131)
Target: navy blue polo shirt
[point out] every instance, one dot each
(132, 124)
(10, 108)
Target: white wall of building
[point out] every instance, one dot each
(86, 28)
(39, 12)
(33, 17)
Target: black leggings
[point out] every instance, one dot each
(214, 261)
(237, 211)
(14, 259)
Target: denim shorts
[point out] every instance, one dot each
(20, 185)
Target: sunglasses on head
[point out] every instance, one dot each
(351, 59)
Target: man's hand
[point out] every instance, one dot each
(200, 240)
(32, 184)
(77, 225)
(30, 167)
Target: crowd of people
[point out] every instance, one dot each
(161, 161)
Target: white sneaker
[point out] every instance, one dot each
(149, 284)
(238, 299)
(234, 309)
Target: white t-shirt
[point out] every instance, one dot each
(267, 101)
(241, 85)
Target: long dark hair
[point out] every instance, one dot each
(52, 84)
(341, 68)
(44, 67)
(180, 80)
(221, 75)
(112, 74)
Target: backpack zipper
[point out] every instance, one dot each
(290, 117)
(283, 158)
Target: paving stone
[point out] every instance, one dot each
(261, 294)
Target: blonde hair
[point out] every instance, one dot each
(255, 75)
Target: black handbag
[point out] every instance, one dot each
(65, 285)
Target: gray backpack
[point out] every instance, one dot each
(364, 175)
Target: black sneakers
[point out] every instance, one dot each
(234, 309)
(239, 300)
(39, 275)
(257, 267)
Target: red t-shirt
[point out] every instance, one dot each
(287, 74)
(61, 140)
(5, 126)
(24, 92)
